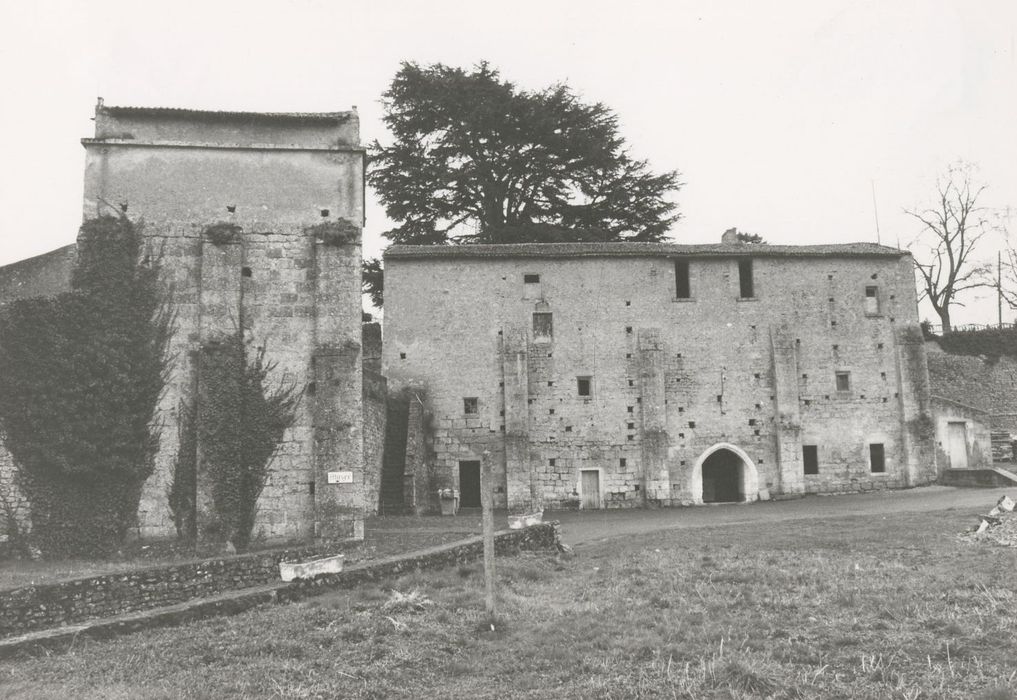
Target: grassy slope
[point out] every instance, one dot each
(875, 607)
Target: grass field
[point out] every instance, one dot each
(855, 607)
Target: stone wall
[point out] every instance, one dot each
(671, 379)
(988, 384)
(44, 275)
(49, 605)
(280, 181)
(950, 415)
(283, 183)
(375, 414)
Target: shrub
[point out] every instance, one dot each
(239, 425)
(336, 233)
(80, 378)
(990, 342)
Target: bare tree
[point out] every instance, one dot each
(1008, 276)
(945, 249)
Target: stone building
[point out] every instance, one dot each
(622, 374)
(257, 218)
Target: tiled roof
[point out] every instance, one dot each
(610, 250)
(212, 115)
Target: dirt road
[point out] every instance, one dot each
(583, 527)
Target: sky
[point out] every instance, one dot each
(804, 122)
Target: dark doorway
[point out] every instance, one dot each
(722, 478)
(469, 484)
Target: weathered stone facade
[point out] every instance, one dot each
(257, 219)
(611, 375)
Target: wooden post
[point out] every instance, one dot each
(486, 492)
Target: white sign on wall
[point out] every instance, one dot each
(340, 477)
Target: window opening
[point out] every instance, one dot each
(583, 386)
(745, 286)
(871, 301)
(681, 279)
(877, 458)
(843, 380)
(542, 325)
(470, 405)
(810, 457)
(531, 279)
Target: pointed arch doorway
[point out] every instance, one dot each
(724, 474)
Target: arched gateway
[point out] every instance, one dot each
(724, 474)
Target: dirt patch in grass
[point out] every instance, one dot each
(864, 607)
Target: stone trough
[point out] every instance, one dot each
(290, 571)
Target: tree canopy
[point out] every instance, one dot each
(476, 159)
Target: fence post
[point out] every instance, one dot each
(486, 489)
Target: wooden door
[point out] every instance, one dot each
(589, 488)
(469, 484)
(957, 438)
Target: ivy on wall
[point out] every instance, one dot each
(183, 490)
(80, 378)
(240, 421)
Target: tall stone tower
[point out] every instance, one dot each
(257, 218)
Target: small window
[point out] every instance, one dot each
(542, 325)
(843, 381)
(470, 405)
(681, 279)
(745, 286)
(810, 457)
(531, 279)
(872, 301)
(584, 386)
(877, 458)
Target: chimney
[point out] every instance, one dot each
(730, 237)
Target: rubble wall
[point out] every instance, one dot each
(464, 328)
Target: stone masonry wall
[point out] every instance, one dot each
(49, 605)
(292, 294)
(375, 414)
(708, 367)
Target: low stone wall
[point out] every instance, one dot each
(49, 605)
(542, 537)
(41, 607)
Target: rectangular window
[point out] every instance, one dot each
(872, 301)
(584, 386)
(470, 405)
(745, 286)
(810, 457)
(531, 279)
(877, 459)
(542, 326)
(843, 381)
(681, 279)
